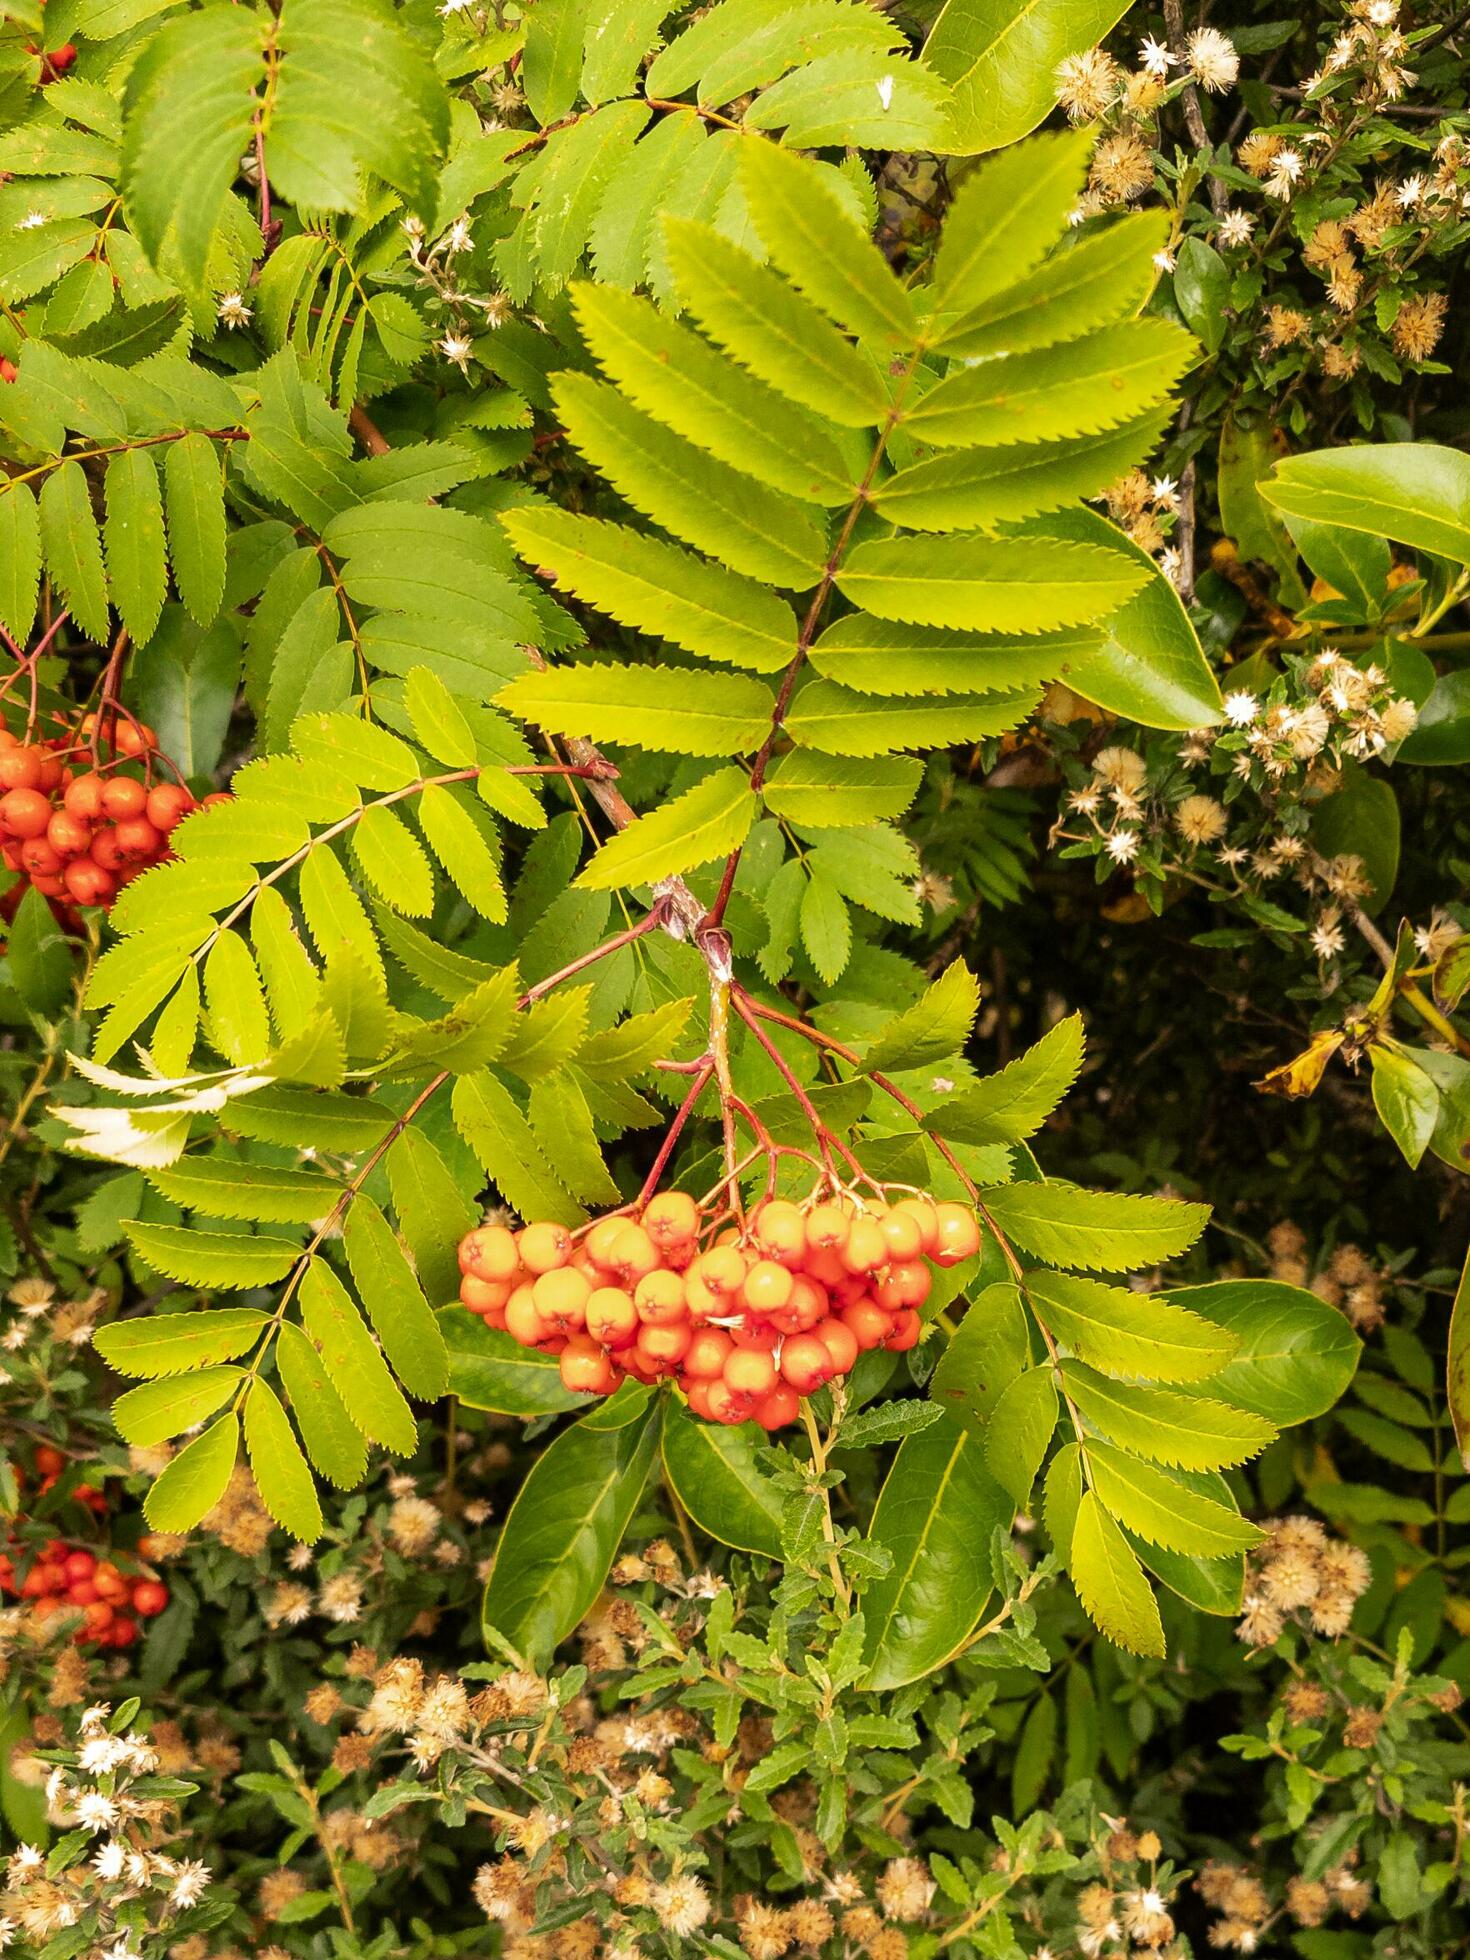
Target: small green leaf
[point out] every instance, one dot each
(1020, 1427)
(195, 1481)
(706, 822)
(354, 1366)
(158, 1410)
(1110, 1582)
(332, 1439)
(388, 1286)
(280, 1470)
(174, 1343)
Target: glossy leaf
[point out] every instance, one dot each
(935, 1514)
(712, 1471)
(562, 1534)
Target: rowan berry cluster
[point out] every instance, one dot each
(746, 1321)
(73, 1580)
(79, 833)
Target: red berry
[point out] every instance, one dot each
(49, 1460)
(124, 796)
(150, 1596)
(168, 804)
(25, 813)
(83, 797)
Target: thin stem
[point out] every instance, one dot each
(666, 1149)
(819, 1449)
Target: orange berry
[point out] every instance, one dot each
(808, 1304)
(922, 1211)
(50, 1461)
(87, 883)
(634, 1254)
(824, 1263)
(168, 804)
(600, 1240)
(869, 1325)
(866, 1247)
(544, 1247)
(775, 1410)
(561, 1298)
(83, 797)
(827, 1227)
(671, 1218)
(958, 1234)
(904, 1286)
(907, 1327)
(489, 1252)
(805, 1363)
(750, 1371)
(663, 1348)
(702, 1304)
(484, 1296)
(20, 767)
(840, 1343)
(612, 1317)
(706, 1354)
(780, 1231)
(150, 1597)
(768, 1287)
(585, 1369)
(123, 797)
(724, 1405)
(659, 1298)
(522, 1322)
(901, 1234)
(25, 813)
(723, 1270)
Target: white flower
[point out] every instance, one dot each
(451, 7)
(457, 349)
(1165, 490)
(1213, 62)
(1240, 708)
(885, 91)
(189, 1883)
(459, 237)
(100, 1753)
(1164, 260)
(96, 1812)
(109, 1861)
(122, 1949)
(1156, 58)
(1171, 564)
(25, 1859)
(1122, 846)
(1409, 193)
(1286, 170)
(1236, 227)
(232, 311)
(8, 1930)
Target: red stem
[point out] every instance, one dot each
(666, 1148)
